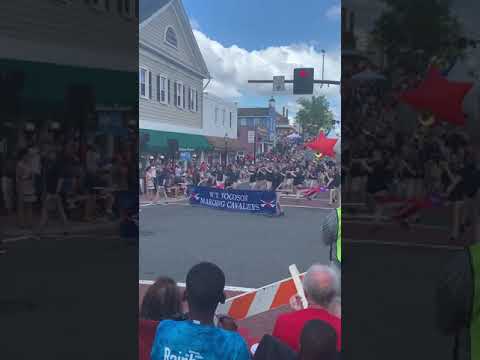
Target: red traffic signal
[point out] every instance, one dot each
(303, 81)
(303, 73)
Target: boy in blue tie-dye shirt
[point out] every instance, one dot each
(198, 338)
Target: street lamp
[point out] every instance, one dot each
(226, 149)
(255, 141)
(273, 123)
(323, 66)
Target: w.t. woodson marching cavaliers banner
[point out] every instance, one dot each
(235, 200)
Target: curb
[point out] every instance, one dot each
(16, 236)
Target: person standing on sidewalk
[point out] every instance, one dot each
(8, 180)
(25, 188)
(53, 188)
(91, 166)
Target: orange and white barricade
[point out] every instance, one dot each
(258, 301)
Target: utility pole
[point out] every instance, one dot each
(255, 142)
(323, 66)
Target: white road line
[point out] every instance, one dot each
(178, 204)
(227, 288)
(282, 205)
(392, 243)
(18, 238)
(170, 202)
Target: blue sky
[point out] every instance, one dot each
(256, 39)
(254, 24)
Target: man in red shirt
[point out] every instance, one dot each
(322, 286)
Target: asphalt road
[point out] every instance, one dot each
(253, 250)
(388, 300)
(74, 298)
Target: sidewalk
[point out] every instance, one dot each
(10, 230)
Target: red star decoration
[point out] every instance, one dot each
(323, 145)
(438, 95)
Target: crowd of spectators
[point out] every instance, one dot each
(183, 324)
(51, 170)
(395, 158)
(289, 167)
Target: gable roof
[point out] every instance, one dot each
(148, 8)
(261, 112)
(153, 8)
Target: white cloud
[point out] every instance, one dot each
(232, 67)
(334, 12)
(194, 24)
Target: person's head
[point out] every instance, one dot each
(205, 288)
(321, 285)
(162, 300)
(23, 155)
(318, 341)
(52, 155)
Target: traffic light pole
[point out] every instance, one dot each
(326, 82)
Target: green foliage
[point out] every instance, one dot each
(412, 32)
(314, 115)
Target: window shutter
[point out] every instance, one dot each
(183, 99)
(196, 101)
(150, 85)
(168, 90)
(175, 93)
(158, 88)
(190, 99)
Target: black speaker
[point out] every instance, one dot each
(172, 146)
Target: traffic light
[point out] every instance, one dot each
(303, 81)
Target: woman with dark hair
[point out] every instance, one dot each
(162, 301)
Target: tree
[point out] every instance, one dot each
(413, 32)
(314, 115)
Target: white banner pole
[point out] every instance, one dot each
(298, 284)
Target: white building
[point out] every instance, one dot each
(219, 117)
(220, 128)
(36, 42)
(171, 76)
(48, 38)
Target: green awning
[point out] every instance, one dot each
(157, 141)
(46, 85)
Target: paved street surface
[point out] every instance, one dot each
(433, 229)
(401, 268)
(43, 284)
(398, 304)
(253, 250)
(10, 231)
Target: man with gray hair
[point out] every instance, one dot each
(321, 285)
